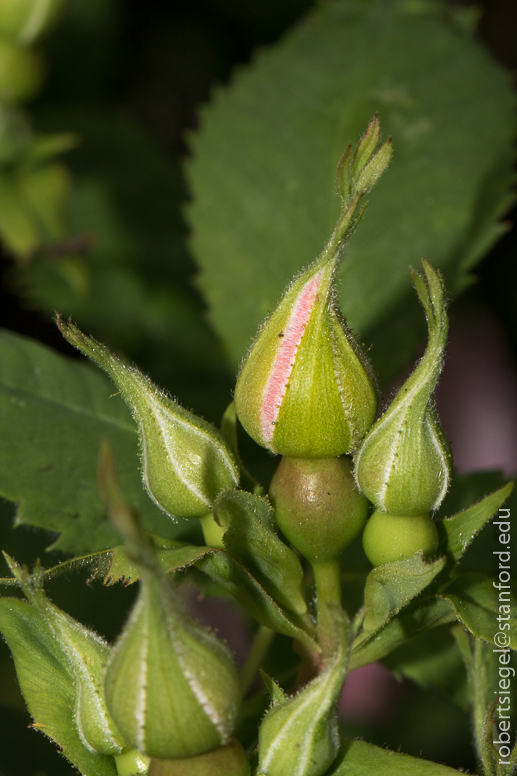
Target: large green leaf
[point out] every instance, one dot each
(46, 684)
(53, 414)
(263, 175)
(360, 758)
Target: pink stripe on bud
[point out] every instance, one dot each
(278, 380)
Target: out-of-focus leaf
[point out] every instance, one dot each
(53, 414)
(46, 684)
(359, 758)
(123, 271)
(251, 537)
(476, 602)
(265, 158)
(433, 661)
(392, 586)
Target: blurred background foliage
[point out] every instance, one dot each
(97, 105)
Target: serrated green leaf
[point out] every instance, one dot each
(53, 414)
(46, 684)
(477, 604)
(263, 174)
(360, 758)
(462, 528)
(251, 537)
(417, 618)
(392, 586)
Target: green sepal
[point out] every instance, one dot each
(358, 758)
(391, 587)
(86, 654)
(299, 735)
(274, 690)
(186, 461)
(459, 530)
(250, 536)
(171, 686)
(403, 465)
(47, 684)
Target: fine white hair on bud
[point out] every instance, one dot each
(403, 464)
(186, 462)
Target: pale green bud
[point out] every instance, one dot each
(305, 389)
(299, 735)
(403, 465)
(388, 538)
(171, 686)
(186, 462)
(86, 654)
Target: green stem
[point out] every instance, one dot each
(482, 724)
(259, 649)
(212, 531)
(327, 576)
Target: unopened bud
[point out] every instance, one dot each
(299, 735)
(171, 686)
(305, 389)
(185, 461)
(403, 465)
(388, 538)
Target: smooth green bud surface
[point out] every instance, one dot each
(24, 20)
(317, 505)
(388, 538)
(229, 760)
(86, 654)
(185, 461)
(403, 465)
(305, 389)
(299, 735)
(171, 686)
(20, 72)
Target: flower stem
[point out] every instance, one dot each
(261, 644)
(327, 576)
(212, 531)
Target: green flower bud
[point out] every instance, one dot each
(305, 389)
(403, 465)
(86, 654)
(229, 760)
(170, 686)
(24, 20)
(299, 735)
(186, 462)
(317, 505)
(388, 538)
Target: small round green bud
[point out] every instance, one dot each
(317, 505)
(388, 538)
(20, 72)
(186, 462)
(171, 686)
(403, 464)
